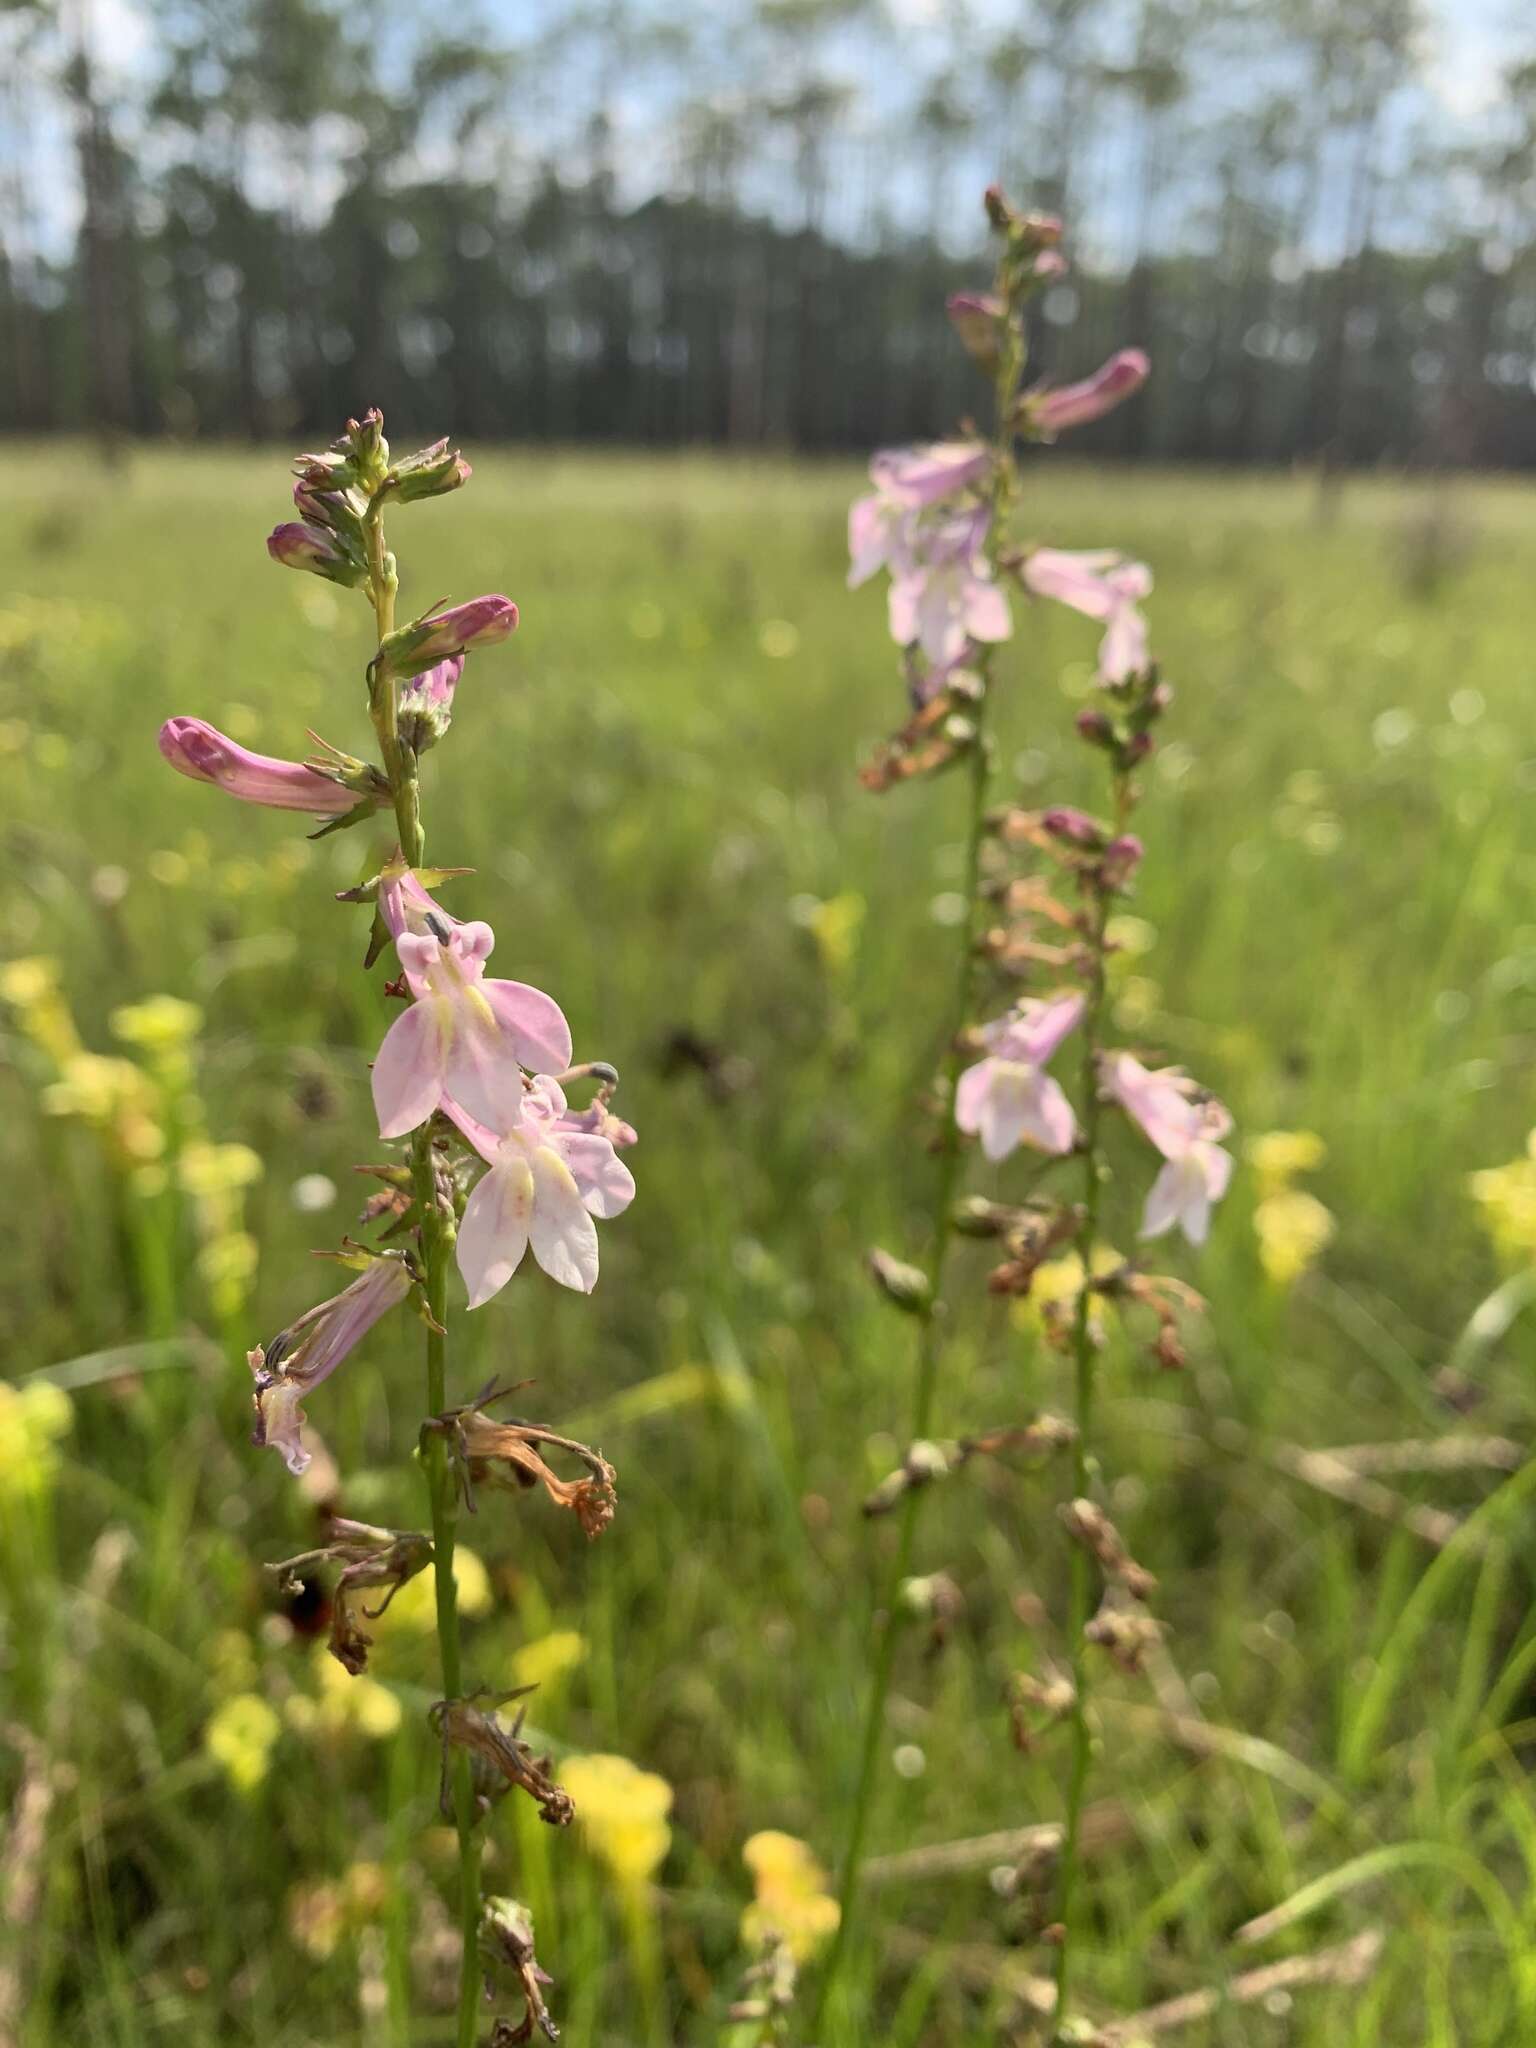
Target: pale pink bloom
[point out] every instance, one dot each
(978, 318)
(1186, 1126)
(946, 597)
(549, 1174)
(1074, 405)
(1050, 263)
(921, 476)
(310, 1350)
(464, 1039)
(1101, 585)
(879, 536)
(201, 751)
(1008, 1099)
(425, 707)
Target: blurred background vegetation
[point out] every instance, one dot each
(735, 220)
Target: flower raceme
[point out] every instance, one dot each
(199, 750)
(1101, 585)
(1007, 1099)
(1186, 1126)
(310, 1350)
(549, 1174)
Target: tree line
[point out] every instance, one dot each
(737, 222)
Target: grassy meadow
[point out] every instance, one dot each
(210, 1835)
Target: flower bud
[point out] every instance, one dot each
(426, 703)
(979, 318)
(425, 642)
(977, 1217)
(369, 449)
(1121, 859)
(1075, 827)
(429, 473)
(906, 1287)
(318, 551)
(1095, 728)
(200, 751)
(1049, 413)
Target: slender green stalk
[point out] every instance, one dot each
(925, 1385)
(1084, 1361)
(400, 766)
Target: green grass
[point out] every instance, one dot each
(657, 784)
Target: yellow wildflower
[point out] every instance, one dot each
(622, 1812)
(32, 989)
(240, 1737)
(32, 1420)
(343, 1705)
(1293, 1228)
(158, 1024)
(549, 1658)
(1506, 1196)
(1279, 1157)
(790, 1895)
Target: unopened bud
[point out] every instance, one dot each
(319, 551)
(1095, 728)
(905, 1286)
(1121, 859)
(1049, 413)
(977, 1217)
(426, 703)
(421, 645)
(428, 473)
(1075, 827)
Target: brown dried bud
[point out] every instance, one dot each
(1125, 1633)
(369, 1557)
(502, 1759)
(1090, 1526)
(505, 1454)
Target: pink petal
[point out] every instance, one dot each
(1169, 1199)
(1047, 1116)
(902, 608)
(493, 1235)
(971, 1095)
(868, 529)
(482, 1072)
(408, 1073)
(605, 1183)
(563, 1235)
(986, 613)
(534, 1022)
(1047, 1025)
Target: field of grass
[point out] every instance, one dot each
(657, 784)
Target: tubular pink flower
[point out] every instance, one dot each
(465, 1039)
(424, 642)
(978, 318)
(1074, 405)
(548, 1176)
(426, 702)
(317, 550)
(1186, 1126)
(921, 476)
(199, 750)
(1101, 585)
(310, 1350)
(946, 597)
(1008, 1099)
(879, 536)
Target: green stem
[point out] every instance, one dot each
(400, 766)
(1084, 1360)
(929, 1341)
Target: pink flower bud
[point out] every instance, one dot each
(318, 551)
(1051, 412)
(429, 473)
(1074, 826)
(1050, 263)
(425, 642)
(1122, 857)
(200, 751)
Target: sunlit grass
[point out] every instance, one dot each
(1338, 932)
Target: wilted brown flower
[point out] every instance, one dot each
(1098, 1535)
(491, 1453)
(500, 1757)
(369, 1557)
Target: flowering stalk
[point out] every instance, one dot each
(1005, 357)
(937, 521)
(470, 1073)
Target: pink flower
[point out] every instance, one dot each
(201, 751)
(315, 549)
(946, 597)
(426, 702)
(1101, 585)
(425, 642)
(1008, 1098)
(978, 318)
(879, 536)
(1074, 405)
(464, 1040)
(1186, 1126)
(921, 476)
(310, 1350)
(549, 1174)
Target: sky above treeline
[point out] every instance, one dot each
(1465, 44)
